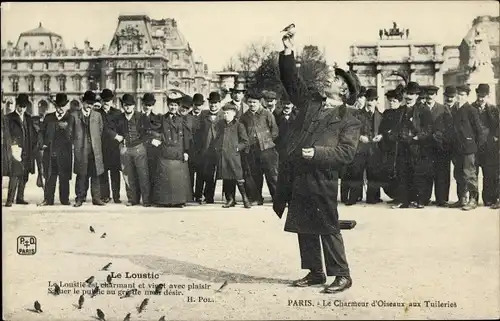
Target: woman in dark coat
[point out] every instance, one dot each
(172, 184)
(324, 138)
(6, 146)
(232, 139)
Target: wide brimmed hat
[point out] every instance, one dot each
(61, 100)
(463, 88)
(106, 95)
(230, 106)
(198, 99)
(187, 102)
(450, 91)
(412, 88)
(174, 97)
(371, 94)
(483, 90)
(214, 97)
(394, 94)
(353, 84)
(22, 100)
(148, 99)
(127, 100)
(89, 97)
(240, 87)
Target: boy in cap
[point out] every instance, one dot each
(470, 135)
(23, 145)
(262, 157)
(231, 140)
(270, 101)
(87, 130)
(58, 152)
(487, 156)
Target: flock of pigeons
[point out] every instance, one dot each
(129, 293)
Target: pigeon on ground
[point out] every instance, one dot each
(127, 294)
(143, 305)
(92, 229)
(158, 288)
(127, 317)
(100, 315)
(161, 318)
(109, 278)
(90, 280)
(57, 289)
(38, 307)
(106, 267)
(95, 291)
(103, 235)
(223, 286)
(80, 301)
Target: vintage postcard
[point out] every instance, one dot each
(250, 160)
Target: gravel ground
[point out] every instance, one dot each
(396, 256)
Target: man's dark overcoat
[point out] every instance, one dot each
(61, 146)
(310, 187)
(231, 141)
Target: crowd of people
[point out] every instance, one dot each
(178, 157)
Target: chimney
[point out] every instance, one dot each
(87, 45)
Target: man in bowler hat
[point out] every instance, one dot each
(87, 129)
(58, 152)
(24, 143)
(487, 156)
(324, 138)
(194, 162)
(441, 152)
(110, 149)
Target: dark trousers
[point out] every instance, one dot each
(115, 184)
(411, 184)
(355, 177)
(490, 183)
(134, 161)
(229, 188)
(82, 182)
(333, 251)
(153, 155)
(50, 185)
(441, 177)
(465, 174)
(196, 179)
(209, 181)
(263, 163)
(17, 184)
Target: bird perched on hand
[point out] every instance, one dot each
(100, 315)
(127, 317)
(143, 305)
(38, 307)
(289, 28)
(80, 301)
(106, 267)
(91, 229)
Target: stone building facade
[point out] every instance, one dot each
(144, 55)
(396, 59)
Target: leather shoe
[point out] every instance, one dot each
(65, 203)
(310, 279)
(106, 199)
(147, 205)
(8, 204)
(131, 204)
(117, 201)
(45, 203)
(340, 284)
(78, 204)
(98, 202)
(22, 202)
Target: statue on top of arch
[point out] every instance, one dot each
(480, 65)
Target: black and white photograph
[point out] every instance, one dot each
(293, 160)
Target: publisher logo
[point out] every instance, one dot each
(26, 245)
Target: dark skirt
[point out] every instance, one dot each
(172, 182)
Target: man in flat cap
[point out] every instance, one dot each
(110, 149)
(414, 162)
(324, 138)
(470, 135)
(262, 156)
(441, 153)
(270, 99)
(24, 143)
(487, 156)
(87, 129)
(57, 145)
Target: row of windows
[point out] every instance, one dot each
(45, 65)
(61, 81)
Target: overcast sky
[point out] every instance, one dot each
(218, 30)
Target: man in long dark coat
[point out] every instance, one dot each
(487, 156)
(205, 137)
(324, 138)
(414, 162)
(148, 103)
(469, 136)
(110, 150)
(58, 152)
(194, 162)
(6, 143)
(24, 143)
(87, 128)
(442, 121)
(285, 120)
